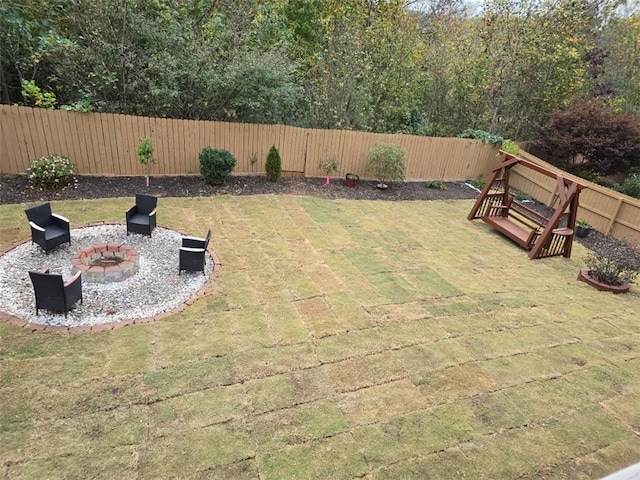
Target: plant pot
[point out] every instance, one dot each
(584, 276)
(351, 179)
(382, 186)
(582, 231)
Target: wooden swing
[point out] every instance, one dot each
(528, 228)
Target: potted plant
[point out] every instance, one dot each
(351, 179)
(582, 228)
(387, 162)
(329, 166)
(145, 155)
(608, 275)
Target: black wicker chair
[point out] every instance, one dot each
(193, 253)
(141, 217)
(47, 229)
(53, 293)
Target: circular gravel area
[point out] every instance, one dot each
(156, 288)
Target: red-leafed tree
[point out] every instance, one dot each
(590, 136)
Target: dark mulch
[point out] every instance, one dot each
(16, 189)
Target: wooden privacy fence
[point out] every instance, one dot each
(607, 211)
(104, 144)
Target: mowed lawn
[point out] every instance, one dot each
(342, 339)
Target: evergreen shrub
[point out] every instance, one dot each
(631, 186)
(215, 165)
(273, 167)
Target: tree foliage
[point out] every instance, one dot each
(590, 136)
(398, 66)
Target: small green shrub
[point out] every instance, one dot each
(582, 223)
(477, 182)
(33, 95)
(387, 162)
(51, 172)
(631, 186)
(273, 167)
(511, 147)
(484, 137)
(522, 196)
(215, 165)
(437, 184)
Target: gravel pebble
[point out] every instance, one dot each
(155, 289)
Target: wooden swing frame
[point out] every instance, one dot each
(528, 228)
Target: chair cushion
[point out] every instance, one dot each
(53, 231)
(139, 219)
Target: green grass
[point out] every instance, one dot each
(342, 339)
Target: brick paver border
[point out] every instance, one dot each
(37, 327)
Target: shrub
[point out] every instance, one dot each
(511, 147)
(273, 167)
(387, 162)
(51, 172)
(437, 184)
(484, 137)
(329, 165)
(478, 182)
(521, 196)
(631, 186)
(589, 135)
(215, 165)
(611, 271)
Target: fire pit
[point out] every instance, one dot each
(106, 263)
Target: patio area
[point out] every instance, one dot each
(342, 339)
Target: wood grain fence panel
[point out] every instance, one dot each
(73, 145)
(162, 166)
(189, 145)
(32, 135)
(174, 149)
(24, 151)
(8, 143)
(210, 132)
(238, 147)
(58, 121)
(41, 143)
(48, 134)
(14, 145)
(113, 159)
(74, 141)
(165, 130)
(132, 136)
(80, 136)
(315, 139)
(628, 221)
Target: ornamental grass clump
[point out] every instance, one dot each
(216, 164)
(51, 172)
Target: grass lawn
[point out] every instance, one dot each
(342, 339)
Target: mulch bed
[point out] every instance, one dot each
(16, 189)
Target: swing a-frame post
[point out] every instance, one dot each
(542, 236)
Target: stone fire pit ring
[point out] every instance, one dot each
(154, 290)
(106, 263)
